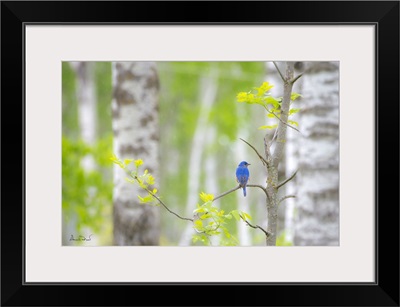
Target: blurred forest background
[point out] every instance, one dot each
(183, 120)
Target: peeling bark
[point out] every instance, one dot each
(136, 134)
(317, 220)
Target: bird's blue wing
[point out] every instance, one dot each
(242, 175)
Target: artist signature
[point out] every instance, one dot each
(81, 238)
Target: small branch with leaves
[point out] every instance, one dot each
(208, 220)
(267, 234)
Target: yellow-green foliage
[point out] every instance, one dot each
(261, 96)
(208, 220)
(87, 195)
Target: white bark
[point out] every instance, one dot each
(317, 221)
(136, 135)
(208, 92)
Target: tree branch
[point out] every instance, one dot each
(196, 216)
(237, 188)
(170, 211)
(270, 112)
(286, 180)
(256, 227)
(226, 193)
(257, 186)
(277, 68)
(292, 81)
(164, 205)
(285, 197)
(260, 156)
(296, 78)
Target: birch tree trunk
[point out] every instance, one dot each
(136, 136)
(317, 221)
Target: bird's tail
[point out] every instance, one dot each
(244, 191)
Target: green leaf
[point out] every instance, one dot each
(205, 216)
(138, 162)
(246, 215)
(199, 210)
(150, 179)
(292, 122)
(145, 199)
(206, 197)
(198, 224)
(293, 111)
(251, 98)
(115, 160)
(130, 180)
(127, 161)
(294, 96)
(241, 97)
(265, 87)
(226, 233)
(268, 127)
(236, 215)
(272, 100)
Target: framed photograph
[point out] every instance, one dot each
(248, 148)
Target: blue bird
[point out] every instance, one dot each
(242, 175)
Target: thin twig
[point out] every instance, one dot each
(256, 226)
(302, 74)
(260, 156)
(277, 68)
(237, 188)
(162, 203)
(286, 180)
(197, 217)
(226, 193)
(257, 186)
(296, 78)
(170, 211)
(285, 197)
(281, 120)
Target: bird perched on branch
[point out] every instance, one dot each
(242, 175)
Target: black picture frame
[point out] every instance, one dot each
(384, 15)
